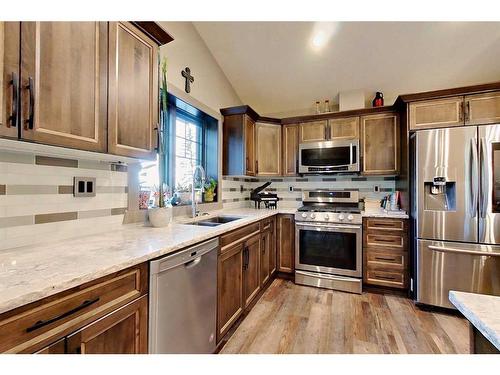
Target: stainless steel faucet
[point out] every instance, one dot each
(194, 211)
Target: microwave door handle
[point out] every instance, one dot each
(474, 178)
(485, 179)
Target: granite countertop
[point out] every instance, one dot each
(384, 213)
(30, 273)
(482, 310)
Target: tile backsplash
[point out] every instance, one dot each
(236, 190)
(37, 202)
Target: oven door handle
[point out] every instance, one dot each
(328, 226)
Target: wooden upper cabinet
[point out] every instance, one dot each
(124, 331)
(313, 131)
(482, 109)
(64, 83)
(380, 144)
(268, 149)
(344, 128)
(133, 92)
(439, 113)
(290, 149)
(9, 78)
(249, 152)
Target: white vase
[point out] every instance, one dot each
(160, 216)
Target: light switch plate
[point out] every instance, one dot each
(84, 187)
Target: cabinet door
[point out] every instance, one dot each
(265, 258)
(64, 83)
(58, 347)
(124, 331)
(344, 128)
(272, 248)
(268, 142)
(249, 146)
(380, 144)
(286, 243)
(9, 78)
(251, 267)
(229, 288)
(482, 109)
(314, 131)
(438, 113)
(133, 92)
(290, 149)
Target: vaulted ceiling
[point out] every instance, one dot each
(286, 66)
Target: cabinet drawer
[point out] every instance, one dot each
(32, 327)
(385, 259)
(385, 278)
(384, 224)
(385, 240)
(238, 235)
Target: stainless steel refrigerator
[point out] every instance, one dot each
(457, 209)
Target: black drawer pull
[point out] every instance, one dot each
(43, 323)
(31, 118)
(387, 259)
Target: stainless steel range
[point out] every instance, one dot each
(328, 240)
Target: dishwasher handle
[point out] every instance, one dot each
(189, 257)
(193, 263)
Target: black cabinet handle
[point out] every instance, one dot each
(31, 89)
(43, 323)
(15, 99)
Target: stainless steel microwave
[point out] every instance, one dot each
(329, 156)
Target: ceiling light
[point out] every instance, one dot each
(322, 33)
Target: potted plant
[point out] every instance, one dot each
(210, 190)
(160, 215)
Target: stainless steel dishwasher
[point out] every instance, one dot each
(183, 301)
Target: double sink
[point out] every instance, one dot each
(214, 221)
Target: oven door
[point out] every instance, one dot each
(328, 248)
(329, 156)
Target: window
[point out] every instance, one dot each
(192, 138)
(188, 144)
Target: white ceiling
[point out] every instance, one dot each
(274, 68)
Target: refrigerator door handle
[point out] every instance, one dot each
(474, 178)
(462, 251)
(485, 180)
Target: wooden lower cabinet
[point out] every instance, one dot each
(265, 261)
(285, 243)
(39, 326)
(246, 264)
(124, 331)
(251, 269)
(58, 347)
(385, 252)
(229, 287)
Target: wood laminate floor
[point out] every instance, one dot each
(291, 318)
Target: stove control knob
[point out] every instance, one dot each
(341, 217)
(350, 217)
(304, 215)
(313, 216)
(327, 217)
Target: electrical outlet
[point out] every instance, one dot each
(376, 188)
(84, 187)
(241, 189)
(290, 188)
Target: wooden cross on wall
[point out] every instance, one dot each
(186, 73)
